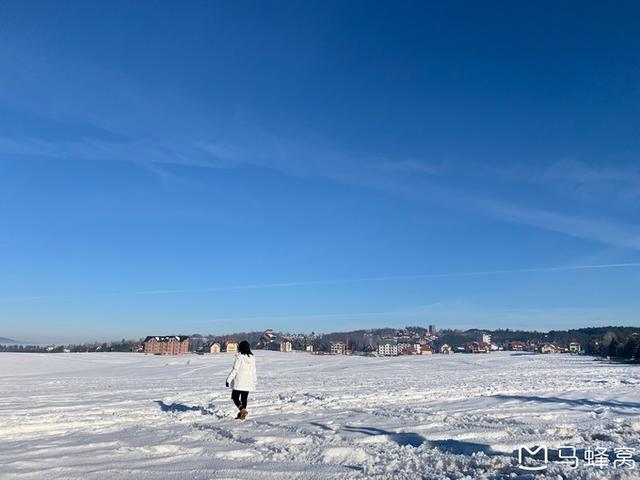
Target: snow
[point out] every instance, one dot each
(126, 416)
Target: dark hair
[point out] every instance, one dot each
(245, 348)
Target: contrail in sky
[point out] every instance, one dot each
(256, 286)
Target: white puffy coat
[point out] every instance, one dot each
(243, 374)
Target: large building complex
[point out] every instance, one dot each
(166, 345)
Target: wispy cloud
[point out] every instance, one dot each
(386, 278)
(142, 152)
(581, 172)
(156, 129)
(606, 232)
(412, 166)
(294, 159)
(398, 178)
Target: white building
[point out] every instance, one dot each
(575, 347)
(281, 346)
(388, 348)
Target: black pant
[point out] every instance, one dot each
(240, 398)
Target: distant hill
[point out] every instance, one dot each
(7, 341)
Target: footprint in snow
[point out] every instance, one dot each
(600, 412)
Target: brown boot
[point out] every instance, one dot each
(239, 415)
(243, 413)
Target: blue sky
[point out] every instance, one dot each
(181, 167)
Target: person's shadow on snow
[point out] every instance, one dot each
(415, 440)
(181, 407)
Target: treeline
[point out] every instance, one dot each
(584, 336)
(618, 345)
(118, 346)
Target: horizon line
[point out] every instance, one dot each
(461, 329)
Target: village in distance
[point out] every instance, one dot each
(406, 341)
(612, 341)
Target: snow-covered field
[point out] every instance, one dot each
(112, 416)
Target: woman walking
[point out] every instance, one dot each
(242, 378)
